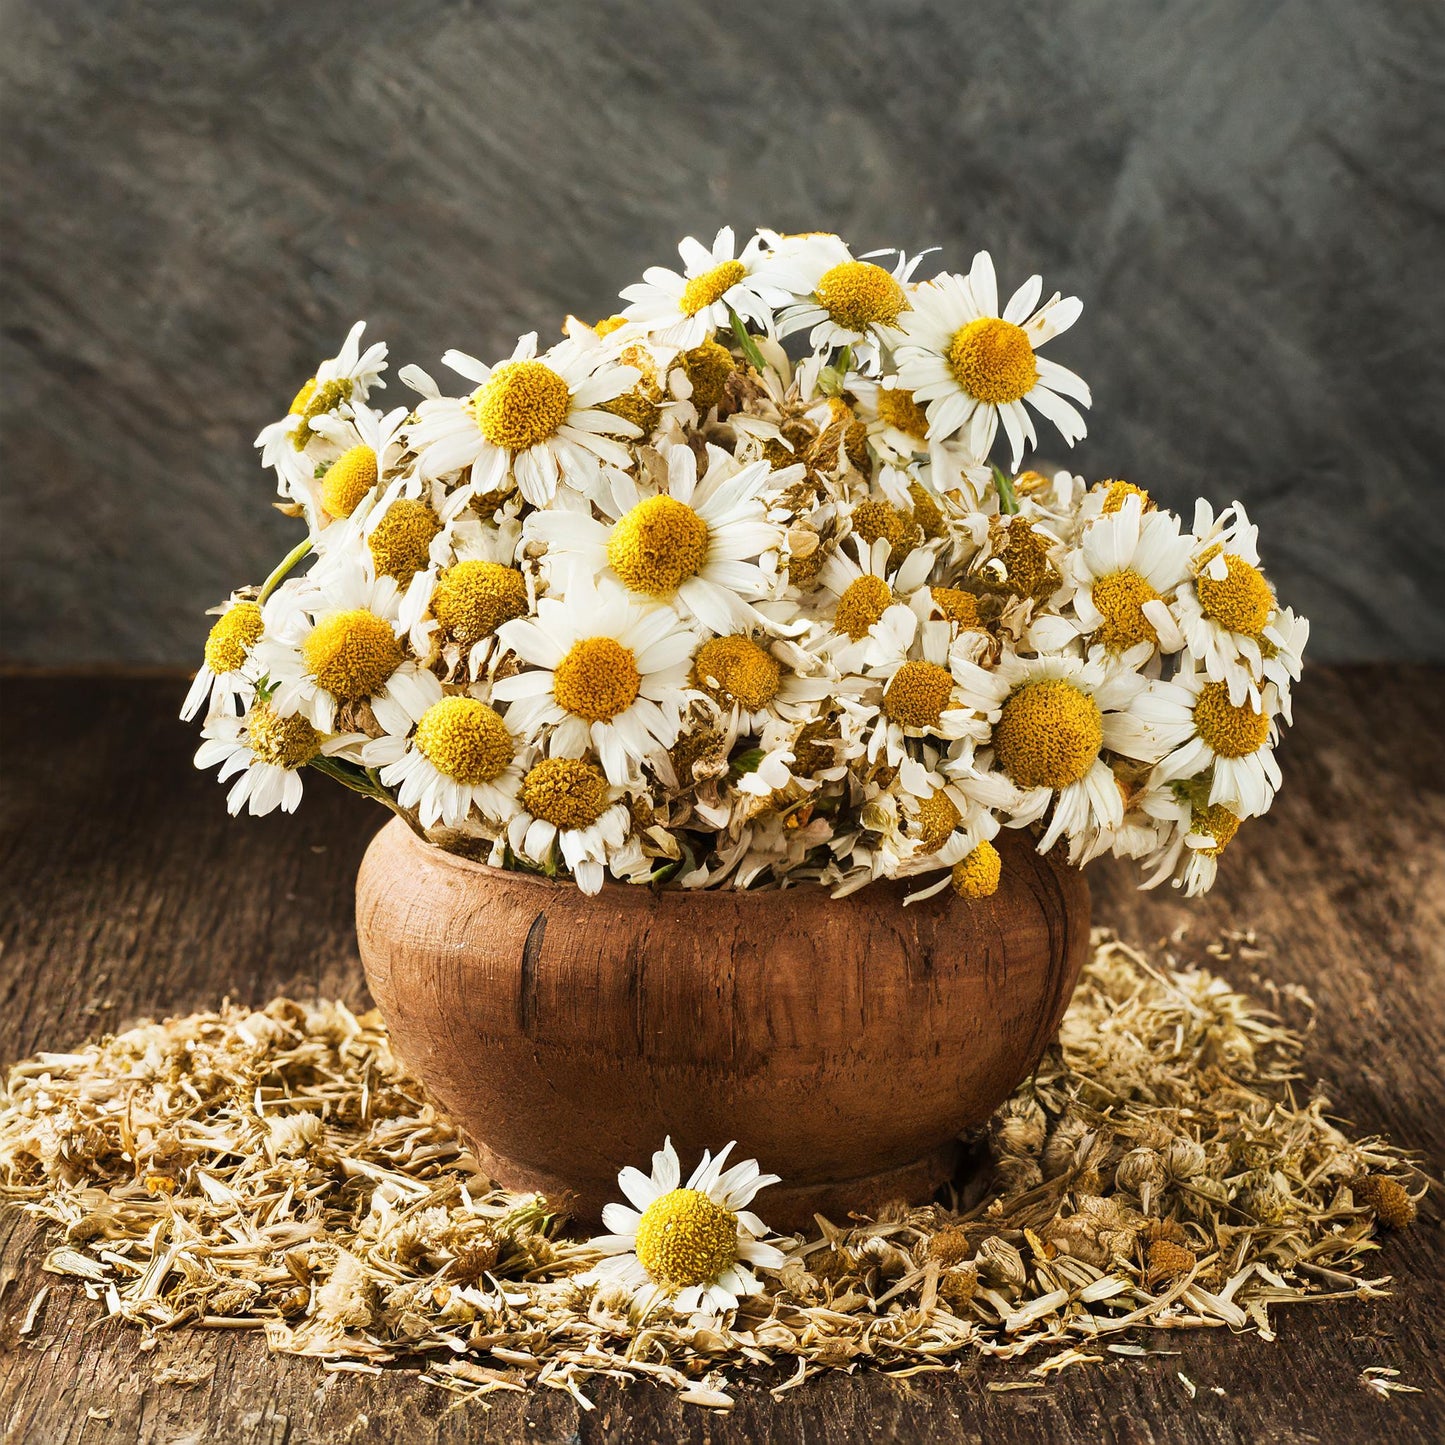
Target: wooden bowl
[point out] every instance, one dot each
(845, 1044)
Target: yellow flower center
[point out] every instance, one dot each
(1023, 555)
(1048, 735)
(993, 360)
(1232, 732)
(1242, 602)
(639, 406)
(235, 632)
(658, 545)
(400, 542)
(472, 599)
(897, 408)
(684, 1239)
(977, 875)
(918, 694)
(858, 294)
(957, 606)
(315, 400)
(927, 514)
(874, 519)
(1219, 823)
(465, 739)
(521, 404)
(284, 742)
(704, 290)
(1120, 597)
(937, 818)
(597, 679)
(348, 480)
(609, 324)
(708, 367)
(737, 669)
(351, 654)
(566, 792)
(1116, 492)
(863, 602)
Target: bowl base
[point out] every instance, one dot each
(784, 1207)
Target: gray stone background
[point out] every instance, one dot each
(199, 197)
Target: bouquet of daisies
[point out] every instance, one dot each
(724, 591)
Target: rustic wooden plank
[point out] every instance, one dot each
(127, 890)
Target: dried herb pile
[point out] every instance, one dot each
(276, 1170)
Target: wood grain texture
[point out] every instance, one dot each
(843, 1043)
(127, 891)
(197, 199)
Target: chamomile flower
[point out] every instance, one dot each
(462, 756)
(848, 302)
(694, 545)
(459, 600)
(567, 805)
(368, 447)
(915, 690)
(1228, 609)
(291, 445)
(861, 581)
(695, 1244)
(537, 420)
(1126, 571)
(602, 671)
(227, 678)
(973, 864)
(265, 752)
(685, 310)
(1192, 726)
(755, 680)
(1194, 835)
(1050, 719)
(334, 643)
(975, 366)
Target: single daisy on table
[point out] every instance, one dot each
(268, 751)
(461, 756)
(847, 302)
(332, 641)
(567, 805)
(694, 546)
(685, 310)
(975, 366)
(601, 672)
(227, 678)
(1050, 719)
(1190, 726)
(694, 1244)
(293, 445)
(538, 420)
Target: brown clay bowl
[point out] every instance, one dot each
(845, 1044)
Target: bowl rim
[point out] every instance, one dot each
(874, 891)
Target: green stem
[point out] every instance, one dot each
(1008, 502)
(365, 782)
(844, 362)
(282, 568)
(749, 346)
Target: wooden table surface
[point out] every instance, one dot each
(127, 891)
